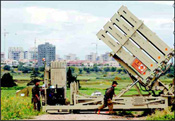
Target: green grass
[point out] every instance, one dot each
(162, 115)
(85, 77)
(14, 107)
(20, 76)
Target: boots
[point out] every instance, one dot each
(98, 112)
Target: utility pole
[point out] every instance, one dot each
(35, 58)
(5, 34)
(96, 50)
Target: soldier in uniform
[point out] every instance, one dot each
(108, 98)
(36, 95)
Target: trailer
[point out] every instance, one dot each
(140, 51)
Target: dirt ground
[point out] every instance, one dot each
(84, 116)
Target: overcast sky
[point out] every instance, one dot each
(72, 26)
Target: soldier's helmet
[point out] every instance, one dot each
(114, 82)
(36, 80)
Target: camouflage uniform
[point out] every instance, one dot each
(35, 100)
(108, 99)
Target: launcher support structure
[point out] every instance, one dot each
(140, 51)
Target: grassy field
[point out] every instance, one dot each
(14, 107)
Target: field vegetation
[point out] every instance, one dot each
(91, 80)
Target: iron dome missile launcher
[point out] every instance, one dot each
(139, 50)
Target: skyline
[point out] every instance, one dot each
(32, 49)
(80, 21)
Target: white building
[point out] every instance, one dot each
(15, 53)
(70, 57)
(2, 57)
(91, 57)
(25, 54)
(58, 57)
(32, 53)
(88, 64)
(80, 63)
(111, 64)
(105, 57)
(11, 62)
(15, 63)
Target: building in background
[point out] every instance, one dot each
(58, 58)
(70, 57)
(15, 53)
(91, 57)
(2, 57)
(25, 54)
(47, 51)
(111, 64)
(33, 53)
(105, 57)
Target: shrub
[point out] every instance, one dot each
(119, 70)
(7, 80)
(7, 67)
(25, 70)
(35, 74)
(104, 75)
(161, 115)
(117, 78)
(80, 70)
(106, 69)
(71, 78)
(113, 69)
(170, 75)
(41, 69)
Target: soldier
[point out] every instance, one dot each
(36, 95)
(108, 98)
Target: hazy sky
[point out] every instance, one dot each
(72, 26)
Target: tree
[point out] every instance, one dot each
(80, 70)
(41, 69)
(7, 67)
(99, 64)
(170, 72)
(84, 68)
(95, 68)
(124, 71)
(106, 69)
(7, 80)
(35, 73)
(41, 76)
(72, 69)
(119, 70)
(76, 70)
(88, 70)
(12, 71)
(20, 67)
(113, 69)
(21, 63)
(71, 78)
(25, 69)
(34, 76)
(91, 69)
